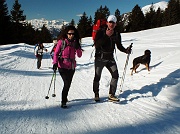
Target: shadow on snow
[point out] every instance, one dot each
(171, 79)
(28, 54)
(27, 73)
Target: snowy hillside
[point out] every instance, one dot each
(149, 103)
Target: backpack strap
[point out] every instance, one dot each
(62, 48)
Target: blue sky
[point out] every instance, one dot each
(71, 9)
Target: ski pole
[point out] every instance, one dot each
(47, 97)
(124, 72)
(54, 95)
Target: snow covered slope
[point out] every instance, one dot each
(149, 101)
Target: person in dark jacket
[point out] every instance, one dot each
(105, 41)
(39, 53)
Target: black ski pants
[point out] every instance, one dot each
(66, 75)
(39, 59)
(112, 67)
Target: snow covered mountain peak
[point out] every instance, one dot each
(162, 5)
(38, 23)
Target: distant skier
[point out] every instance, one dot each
(39, 53)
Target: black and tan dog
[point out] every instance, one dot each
(144, 59)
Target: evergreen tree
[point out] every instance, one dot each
(62, 30)
(172, 13)
(37, 36)
(72, 23)
(18, 20)
(45, 35)
(136, 20)
(29, 35)
(119, 25)
(83, 26)
(90, 21)
(159, 17)
(150, 18)
(5, 24)
(63, 26)
(101, 13)
(89, 27)
(17, 13)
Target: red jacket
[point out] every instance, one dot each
(68, 55)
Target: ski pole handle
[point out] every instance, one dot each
(131, 45)
(128, 49)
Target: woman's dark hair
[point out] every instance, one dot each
(63, 34)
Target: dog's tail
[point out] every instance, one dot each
(131, 68)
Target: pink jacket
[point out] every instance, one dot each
(68, 55)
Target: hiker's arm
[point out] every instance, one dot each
(119, 44)
(44, 49)
(100, 39)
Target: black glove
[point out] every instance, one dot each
(128, 50)
(76, 45)
(55, 67)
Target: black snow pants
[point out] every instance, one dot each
(112, 67)
(39, 59)
(66, 75)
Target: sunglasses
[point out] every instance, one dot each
(70, 33)
(112, 22)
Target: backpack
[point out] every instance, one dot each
(62, 48)
(39, 47)
(36, 45)
(99, 24)
(54, 48)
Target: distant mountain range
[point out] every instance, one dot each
(55, 25)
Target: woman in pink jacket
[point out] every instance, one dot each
(68, 47)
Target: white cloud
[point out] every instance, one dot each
(79, 15)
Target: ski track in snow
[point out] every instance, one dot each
(143, 108)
